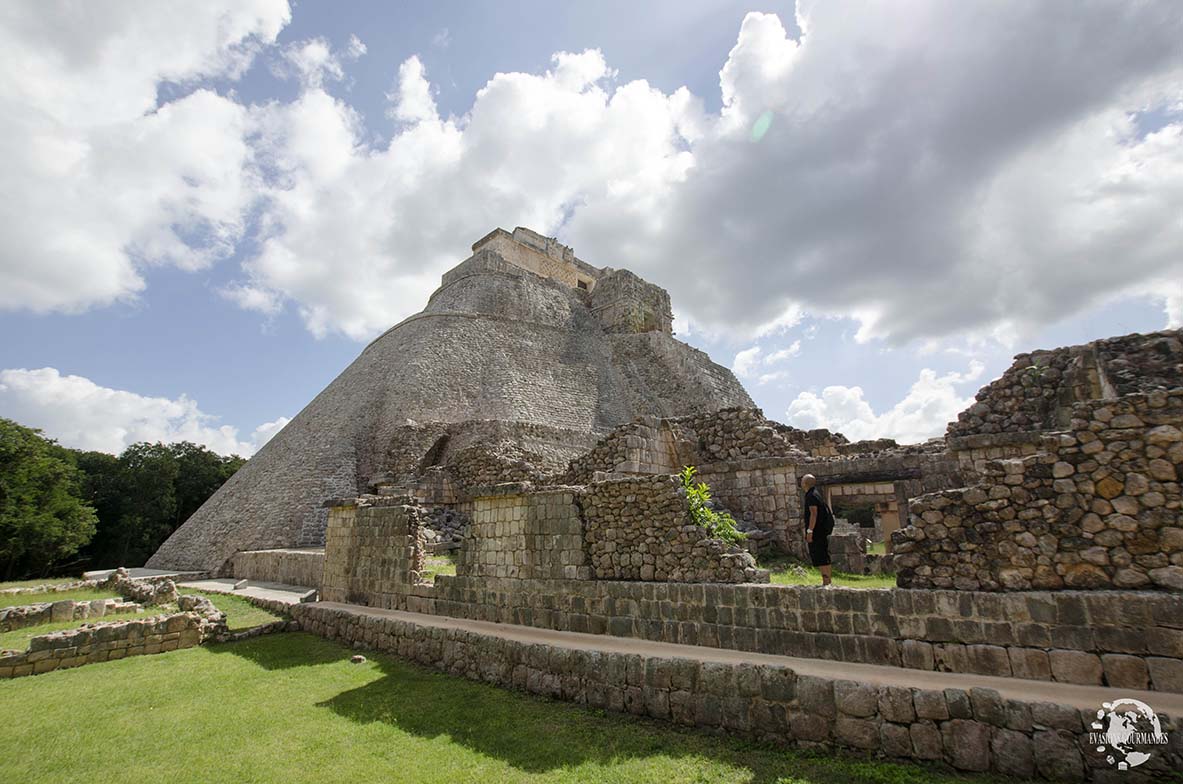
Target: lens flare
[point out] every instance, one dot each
(761, 126)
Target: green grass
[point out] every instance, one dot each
(877, 548)
(18, 639)
(444, 563)
(290, 708)
(784, 573)
(240, 614)
(78, 595)
(40, 581)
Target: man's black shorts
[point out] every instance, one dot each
(819, 548)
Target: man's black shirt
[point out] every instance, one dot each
(825, 518)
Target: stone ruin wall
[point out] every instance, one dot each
(970, 730)
(1037, 393)
(520, 533)
(639, 528)
(374, 552)
(1099, 506)
(754, 465)
(289, 567)
(636, 528)
(1122, 639)
(624, 303)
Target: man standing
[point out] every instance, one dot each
(819, 524)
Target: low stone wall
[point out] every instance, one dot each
(639, 528)
(1124, 639)
(109, 641)
(974, 730)
(304, 567)
(23, 616)
(848, 553)
(1099, 507)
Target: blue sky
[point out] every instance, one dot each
(213, 210)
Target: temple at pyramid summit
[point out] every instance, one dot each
(524, 352)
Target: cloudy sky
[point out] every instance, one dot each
(865, 209)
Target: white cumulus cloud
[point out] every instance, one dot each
(83, 415)
(931, 403)
(101, 180)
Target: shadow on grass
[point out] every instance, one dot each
(273, 651)
(535, 735)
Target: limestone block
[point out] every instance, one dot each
(967, 744)
(1075, 667)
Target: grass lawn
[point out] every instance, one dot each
(290, 708)
(79, 595)
(18, 639)
(240, 614)
(439, 564)
(787, 572)
(39, 581)
(877, 548)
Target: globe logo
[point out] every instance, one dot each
(1124, 732)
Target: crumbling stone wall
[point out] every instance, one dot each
(639, 528)
(647, 445)
(972, 730)
(763, 491)
(198, 621)
(740, 433)
(521, 533)
(26, 615)
(1099, 507)
(625, 303)
(374, 551)
(1038, 391)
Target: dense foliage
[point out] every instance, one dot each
(720, 525)
(145, 494)
(64, 510)
(43, 517)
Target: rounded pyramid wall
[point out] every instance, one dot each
(494, 342)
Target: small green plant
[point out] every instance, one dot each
(720, 525)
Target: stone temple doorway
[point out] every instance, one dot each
(882, 504)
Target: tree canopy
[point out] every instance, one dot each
(61, 509)
(146, 493)
(44, 519)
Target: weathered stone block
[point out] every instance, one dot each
(967, 744)
(1013, 753)
(856, 699)
(1076, 667)
(856, 732)
(895, 704)
(1057, 756)
(930, 704)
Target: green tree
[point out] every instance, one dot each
(43, 517)
(146, 493)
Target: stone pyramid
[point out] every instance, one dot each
(522, 335)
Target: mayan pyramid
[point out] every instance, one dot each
(522, 342)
